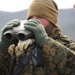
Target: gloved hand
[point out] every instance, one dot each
(10, 25)
(37, 28)
(4, 44)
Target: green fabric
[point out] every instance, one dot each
(59, 56)
(10, 25)
(3, 65)
(4, 44)
(39, 32)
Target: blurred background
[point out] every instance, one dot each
(17, 9)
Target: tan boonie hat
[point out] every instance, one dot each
(44, 8)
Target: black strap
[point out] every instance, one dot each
(35, 56)
(22, 65)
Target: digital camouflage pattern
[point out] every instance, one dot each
(59, 58)
(4, 64)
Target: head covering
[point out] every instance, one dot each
(44, 8)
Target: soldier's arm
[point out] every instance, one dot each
(59, 57)
(65, 40)
(3, 65)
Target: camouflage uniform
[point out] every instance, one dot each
(4, 64)
(58, 51)
(58, 56)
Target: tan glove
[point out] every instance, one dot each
(20, 48)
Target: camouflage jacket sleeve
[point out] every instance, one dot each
(3, 65)
(66, 41)
(59, 57)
